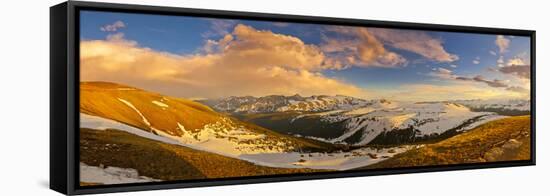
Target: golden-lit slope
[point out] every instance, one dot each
(179, 118)
(111, 101)
(501, 140)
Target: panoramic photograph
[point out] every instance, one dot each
(175, 98)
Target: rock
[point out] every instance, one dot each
(372, 156)
(511, 144)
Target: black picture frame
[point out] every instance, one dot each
(64, 95)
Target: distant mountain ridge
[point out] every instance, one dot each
(508, 107)
(280, 103)
(318, 103)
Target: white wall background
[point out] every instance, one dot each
(24, 67)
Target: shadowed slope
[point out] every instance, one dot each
(164, 161)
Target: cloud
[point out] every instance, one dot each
(476, 60)
(357, 46)
(493, 53)
(442, 73)
(113, 27)
(415, 41)
(445, 92)
(463, 78)
(500, 60)
(453, 65)
(492, 83)
(365, 47)
(515, 61)
(516, 66)
(446, 74)
(495, 83)
(280, 24)
(522, 71)
(260, 47)
(517, 89)
(245, 62)
(502, 43)
(219, 27)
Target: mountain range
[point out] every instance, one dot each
(280, 103)
(133, 132)
(348, 120)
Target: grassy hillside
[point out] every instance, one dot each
(500, 140)
(164, 113)
(163, 161)
(104, 99)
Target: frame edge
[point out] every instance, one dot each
(58, 99)
(71, 186)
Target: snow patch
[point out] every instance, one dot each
(125, 89)
(99, 123)
(111, 175)
(483, 120)
(333, 161)
(359, 111)
(135, 109)
(160, 104)
(181, 127)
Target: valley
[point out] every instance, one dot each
(358, 122)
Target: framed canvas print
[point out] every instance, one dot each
(147, 97)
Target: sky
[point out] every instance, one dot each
(195, 57)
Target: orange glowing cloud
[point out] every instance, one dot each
(246, 62)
